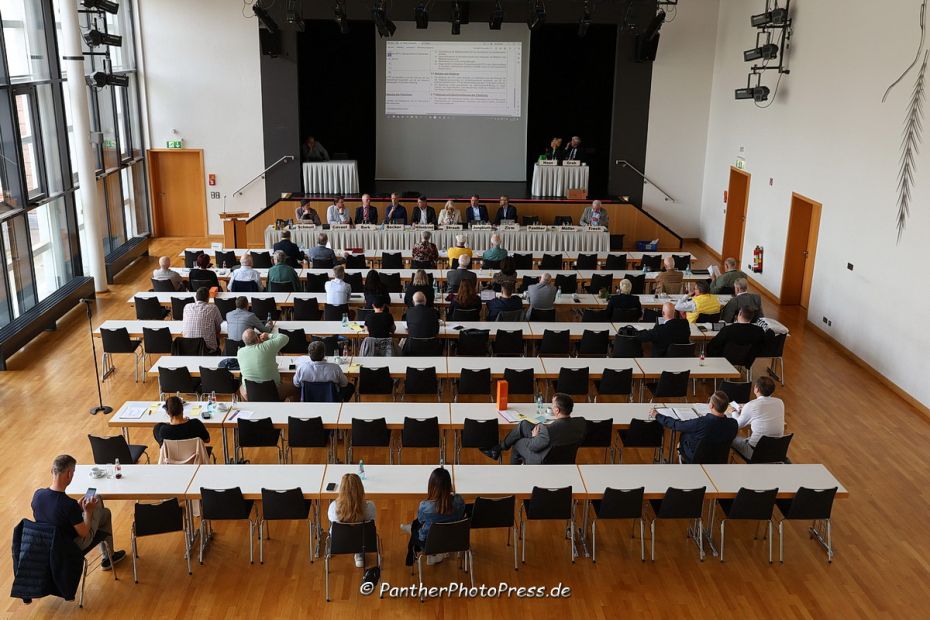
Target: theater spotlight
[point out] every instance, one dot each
(585, 21)
(775, 17)
(265, 19)
(342, 18)
(95, 38)
(101, 79)
(421, 15)
(385, 26)
(101, 5)
(497, 16)
(758, 93)
(456, 18)
(766, 52)
(537, 16)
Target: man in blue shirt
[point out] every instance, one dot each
(395, 213)
(505, 303)
(476, 212)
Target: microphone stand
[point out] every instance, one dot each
(101, 407)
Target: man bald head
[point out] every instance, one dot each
(546, 278)
(366, 200)
(669, 263)
(668, 311)
(164, 262)
(419, 299)
(249, 337)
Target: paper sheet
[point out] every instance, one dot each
(510, 415)
(133, 413)
(685, 413)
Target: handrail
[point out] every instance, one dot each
(626, 164)
(261, 175)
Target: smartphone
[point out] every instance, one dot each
(331, 486)
(90, 494)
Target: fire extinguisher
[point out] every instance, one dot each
(757, 259)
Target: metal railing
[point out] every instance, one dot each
(626, 164)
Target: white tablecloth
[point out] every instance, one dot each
(557, 180)
(397, 240)
(331, 177)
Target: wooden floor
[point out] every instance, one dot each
(841, 416)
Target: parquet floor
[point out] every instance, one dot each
(841, 416)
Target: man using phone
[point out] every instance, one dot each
(87, 521)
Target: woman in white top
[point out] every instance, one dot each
(245, 272)
(449, 215)
(350, 506)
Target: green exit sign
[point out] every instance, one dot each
(175, 144)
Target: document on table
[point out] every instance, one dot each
(133, 413)
(354, 367)
(510, 415)
(666, 411)
(356, 327)
(538, 418)
(701, 408)
(239, 413)
(685, 413)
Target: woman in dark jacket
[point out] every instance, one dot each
(624, 303)
(375, 291)
(202, 271)
(421, 284)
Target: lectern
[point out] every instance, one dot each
(234, 230)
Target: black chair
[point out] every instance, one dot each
(226, 259)
(149, 309)
(307, 309)
(162, 517)
(528, 281)
(115, 342)
(224, 505)
(225, 306)
(421, 381)
(447, 537)
(708, 318)
(711, 453)
(637, 283)
(495, 512)
(176, 380)
(421, 433)
(748, 505)
(614, 382)
(770, 450)
(219, 381)
(422, 264)
(682, 261)
(490, 264)
(523, 261)
(163, 286)
(600, 434)
(392, 260)
(473, 342)
(155, 341)
(331, 344)
(568, 284)
(562, 220)
(265, 308)
(362, 314)
(740, 355)
(562, 455)
(188, 346)
(548, 504)
(422, 347)
(736, 391)
(316, 282)
(555, 343)
(594, 344)
(284, 505)
(586, 261)
(652, 262)
(244, 286)
(619, 504)
(308, 433)
(679, 504)
(334, 313)
(261, 260)
(231, 347)
(808, 505)
(392, 283)
(208, 284)
(322, 263)
(670, 385)
(259, 433)
(356, 261)
(190, 258)
(601, 281)
(530, 220)
(177, 307)
(481, 434)
(262, 391)
(474, 382)
(593, 316)
(573, 381)
(296, 343)
(355, 281)
(509, 315)
(466, 314)
(319, 392)
(681, 350)
(626, 315)
(520, 382)
(107, 450)
(508, 343)
(350, 538)
(641, 434)
(375, 381)
(626, 346)
(615, 262)
(280, 287)
(775, 349)
(369, 434)
(650, 316)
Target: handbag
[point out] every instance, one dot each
(371, 575)
(230, 363)
(627, 330)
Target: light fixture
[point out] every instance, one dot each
(497, 16)
(537, 16)
(585, 21)
(265, 19)
(101, 79)
(775, 17)
(758, 93)
(342, 18)
(421, 15)
(293, 13)
(766, 52)
(95, 38)
(646, 45)
(101, 5)
(385, 26)
(456, 18)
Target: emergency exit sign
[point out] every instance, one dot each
(175, 144)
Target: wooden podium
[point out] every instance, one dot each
(234, 230)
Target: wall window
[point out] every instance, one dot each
(24, 35)
(48, 232)
(27, 120)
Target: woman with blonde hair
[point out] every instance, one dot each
(449, 215)
(422, 284)
(350, 506)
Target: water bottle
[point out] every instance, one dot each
(701, 360)
(645, 267)
(558, 293)
(211, 402)
(117, 470)
(361, 469)
(345, 319)
(688, 268)
(539, 403)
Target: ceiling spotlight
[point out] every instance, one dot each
(497, 16)
(537, 16)
(766, 52)
(758, 93)
(342, 18)
(95, 38)
(421, 15)
(456, 18)
(265, 18)
(775, 17)
(101, 5)
(585, 21)
(385, 26)
(101, 79)
(293, 13)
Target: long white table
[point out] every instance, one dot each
(655, 478)
(251, 479)
(382, 481)
(729, 479)
(331, 177)
(622, 414)
(557, 180)
(496, 480)
(138, 482)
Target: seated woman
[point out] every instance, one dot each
(202, 271)
(419, 283)
(350, 506)
(380, 324)
(625, 302)
(375, 291)
(179, 427)
(441, 505)
(507, 275)
(466, 298)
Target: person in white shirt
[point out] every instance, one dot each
(764, 415)
(245, 272)
(336, 213)
(165, 272)
(449, 215)
(337, 289)
(350, 506)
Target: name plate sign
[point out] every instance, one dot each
(548, 162)
(451, 227)
(568, 228)
(481, 227)
(366, 226)
(509, 227)
(393, 227)
(340, 226)
(571, 163)
(538, 228)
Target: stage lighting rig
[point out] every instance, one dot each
(95, 38)
(108, 6)
(421, 15)
(773, 38)
(775, 17)
(763, 52)
(270, 24)
(497, 16)
(537, 16)
(341, 16)
(585, 22)
(456, 18)
(385, 26)
(293, 13)
(101, 79)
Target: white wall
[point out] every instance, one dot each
(679, 110)
(828, 137)
(202, 79)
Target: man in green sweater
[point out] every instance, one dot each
(727, 279)
(283, 273)
(258, 362)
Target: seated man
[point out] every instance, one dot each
(423, 213)
(283, 273)
(741, 333)
(505, 303)
(742, 299)
(311, 150)
(595, 215)
(670, 330)
(505, 212)
(670, 280)
(494, 253)
(321, 251)
(454, 277)
(460, 248)
(337, 289)
(728, 277)
(532, 442)
(476, 213)
(541, 295)
(699, 301)
(291, 249)
(336, 213)
(245, 273)
(714, 426)
(258, 362)
(85, 522)
(202, 319)
(395, 213)
(764, 415)
(306, 214)
(314, 368)
(165, 272)
(241, 319)
(367, 213)
(425, 253)
(422, 320)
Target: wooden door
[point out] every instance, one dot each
(735, 223)
(800, 251)
(179, 199)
